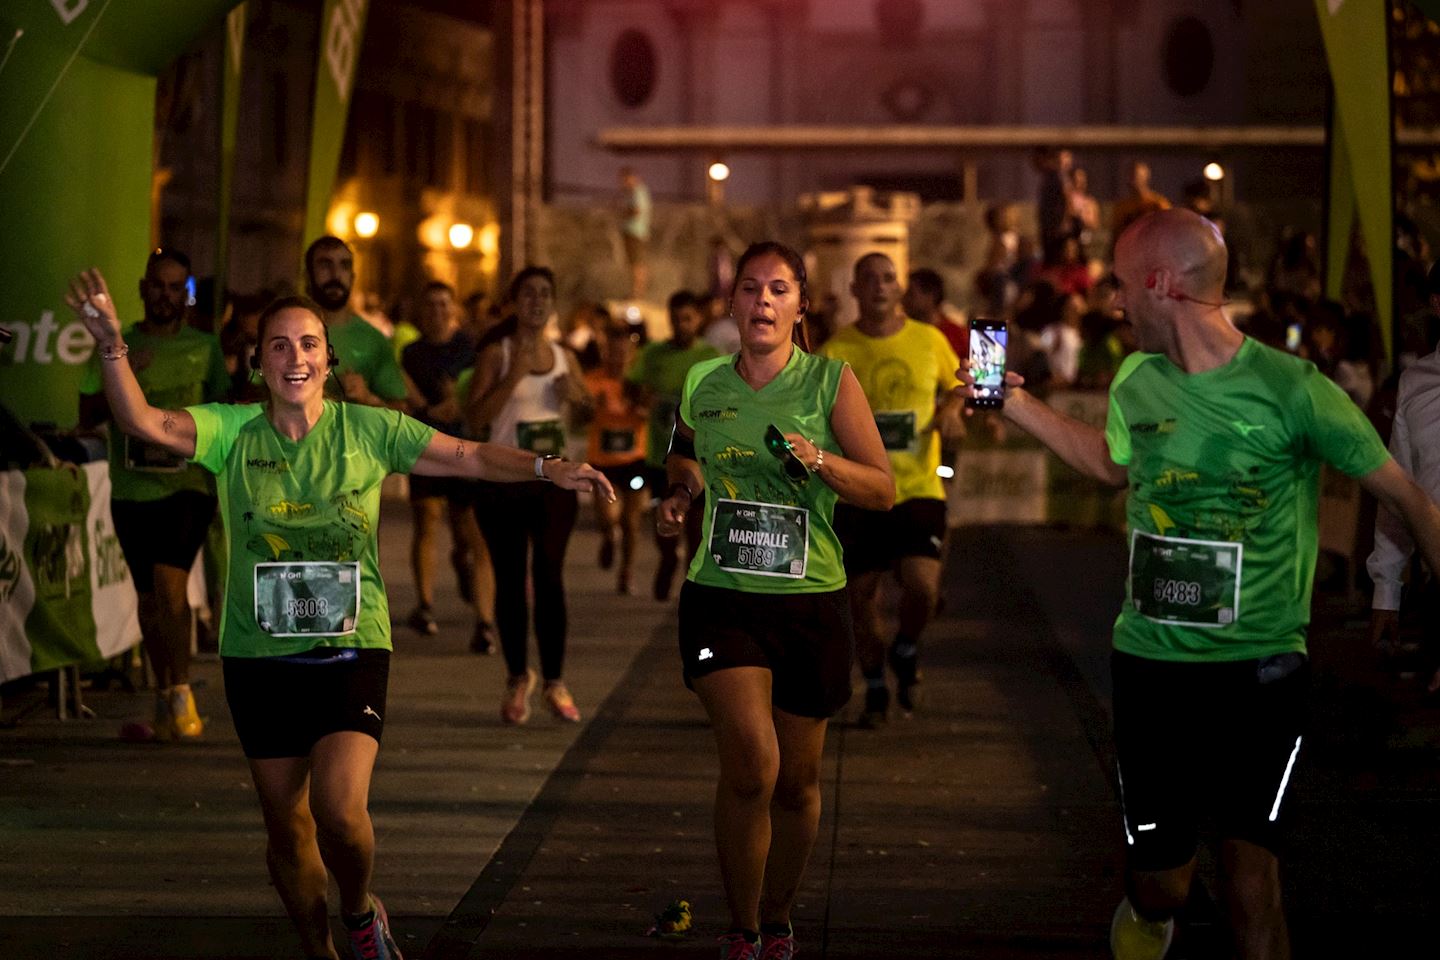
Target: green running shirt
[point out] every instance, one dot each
(661, 368)
(304, 501)
(763, 532)
(362, 349)
(174, 370)
(1225, 466)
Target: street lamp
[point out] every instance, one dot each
(460, 235)
(715, 176)
(1214, 172)
(367, 225)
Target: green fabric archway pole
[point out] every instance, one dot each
(77, 120)
(341, 30)
(1354, 32)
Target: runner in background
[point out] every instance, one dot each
(617, 447)
(154, 491)
(524, 388)
(658, 372)
(765, 444)
(306, 623)
(434, 363)
(907, 371)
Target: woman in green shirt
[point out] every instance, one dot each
(305, 622)
(766, 441)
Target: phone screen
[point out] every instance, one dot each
(987, 362)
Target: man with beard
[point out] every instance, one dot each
(907, 370)
(152, 491)
(368, 372)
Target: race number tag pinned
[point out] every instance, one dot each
(307, 599)
(1189, 583)
(760, 538)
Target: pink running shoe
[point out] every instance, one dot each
(374, 940)
(778, 948)
(515, 706)
(558, 699)
(734, 946)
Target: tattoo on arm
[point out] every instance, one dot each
(459, 451)
(168, 424)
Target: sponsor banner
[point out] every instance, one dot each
(66, 596)
(341, 27)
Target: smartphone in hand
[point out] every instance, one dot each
(988, 338)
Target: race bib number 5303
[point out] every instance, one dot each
(307, 599)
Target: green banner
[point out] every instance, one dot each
(77, 117)
(230, 82)
(341, 28)
(1340, 210)
(1356, 47)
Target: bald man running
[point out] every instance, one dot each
(1219, 440)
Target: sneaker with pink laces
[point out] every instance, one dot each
(374, 940)
(778, 946)
(735, 946)
(515, 706)
(558, 699)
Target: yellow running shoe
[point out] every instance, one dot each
(185, 722)
(1132, 937)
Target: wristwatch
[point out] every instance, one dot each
(540, 466)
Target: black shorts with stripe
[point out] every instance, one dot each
(1205, 743)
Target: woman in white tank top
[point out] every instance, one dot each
(523, 390)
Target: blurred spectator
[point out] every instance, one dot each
(1028, 261)
(1038, 307)
(1084, 209)
(582, 334)
(1052, 205)
(994, 286)
(924, 301)
(1065, 267)
(822, 321)
(634, 207)
(479, 314)
(1101, 349)
(720, 265)
(1138, 200)
(1296, 268)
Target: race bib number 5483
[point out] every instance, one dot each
(1192, 583)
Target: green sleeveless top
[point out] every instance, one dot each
(763, 532)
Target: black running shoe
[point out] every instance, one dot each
(907, 679)
(482, 641)
(421, 620)
(877, 709)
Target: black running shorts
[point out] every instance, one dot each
(805, 640)
(283, 707)
(168, 531)
(876, 540)
(1205, 742)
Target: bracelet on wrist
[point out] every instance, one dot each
(112, 352)
(819, 458)
(540, 462)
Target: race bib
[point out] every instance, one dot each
(149, 458)
(542, 437)
(897, 429)
(307, 599)
(617, 441)
(760, 538)
(1189, 583)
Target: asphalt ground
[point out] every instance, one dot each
(984, 826)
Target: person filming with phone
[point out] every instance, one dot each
(1219, 441)
(766, 441)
